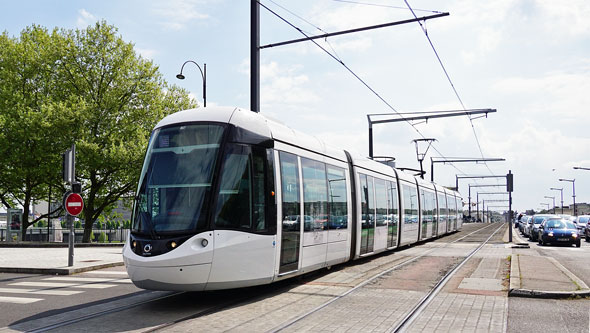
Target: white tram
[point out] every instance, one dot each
(228, 198)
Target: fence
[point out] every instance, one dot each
(55, 235)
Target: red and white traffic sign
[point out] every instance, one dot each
(74, 204)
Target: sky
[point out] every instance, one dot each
(528, 59)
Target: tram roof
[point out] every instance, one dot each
(256, 123)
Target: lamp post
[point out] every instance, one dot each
(548, 197)
(561, 192)
(203, 75)
(543, 203)
(573, 181)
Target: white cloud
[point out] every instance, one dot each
(177, 14)
(146, 53)
(85, 18)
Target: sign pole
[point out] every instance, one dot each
(70, 219)
(509, 188)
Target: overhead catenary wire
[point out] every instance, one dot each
(308, 22)
(386, 6)
(356, 76)
(450, 82)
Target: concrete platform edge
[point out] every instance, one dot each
(514, 272)
(58, 271)
(547, 294)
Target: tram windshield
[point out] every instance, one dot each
(176, 178)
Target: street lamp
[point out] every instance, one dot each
(561, 191)
(548, 197)
(203, 75)
(581, 168)
(573, 181)
(543, 203)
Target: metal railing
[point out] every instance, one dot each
(39, 235)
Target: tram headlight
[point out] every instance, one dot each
(133, 245)
(173, 244)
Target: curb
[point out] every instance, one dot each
(547, 294)
(517, 291)
(58, 271)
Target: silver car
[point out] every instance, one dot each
(536, 222)
(581, 224)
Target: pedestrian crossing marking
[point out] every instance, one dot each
(40, 291)
(19, 300)
(63, 285)
(87, 279)
(106, 272)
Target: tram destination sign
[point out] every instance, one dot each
(74, 204)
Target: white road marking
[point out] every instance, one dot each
(63, 285)
(19, 300)
(87, 279)
(40, 292)
(106, 273)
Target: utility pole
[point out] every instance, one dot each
(254, 56)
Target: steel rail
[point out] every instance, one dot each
(423, 303)
(364, 283)
(100, 313)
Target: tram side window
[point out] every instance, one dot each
(380, 202)
(430, 206)
(338, 206)
(290, 191)
(442, 206)
(393, 202)
(315, 195)
(424, 207)
(410, 204)
(241, 200)
(366, 210)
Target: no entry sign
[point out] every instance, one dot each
(74, 204)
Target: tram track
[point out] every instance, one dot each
(249, 297)
(423, 302)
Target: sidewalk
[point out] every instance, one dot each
(533, 275)
(54, 260)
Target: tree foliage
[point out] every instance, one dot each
(87, 87)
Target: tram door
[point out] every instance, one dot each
(368, 214)
(291, 214)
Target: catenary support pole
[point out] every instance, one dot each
(254, 56)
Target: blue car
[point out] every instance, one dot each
(558, 231)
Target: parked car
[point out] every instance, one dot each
(558, 230)
(581, 223)
(534, 226)
(523, 224)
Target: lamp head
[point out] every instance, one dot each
(180, 76)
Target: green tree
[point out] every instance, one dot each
(122, 97)
(87, 87)
(32, 121)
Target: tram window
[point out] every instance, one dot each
(338, 207)
(430, 205)
(393, 201)
(241, 200)
(290, 191)
(380, 202)
(315, 195)
(442, 206)
(410, 204)
(364, 201)
(176, 179)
